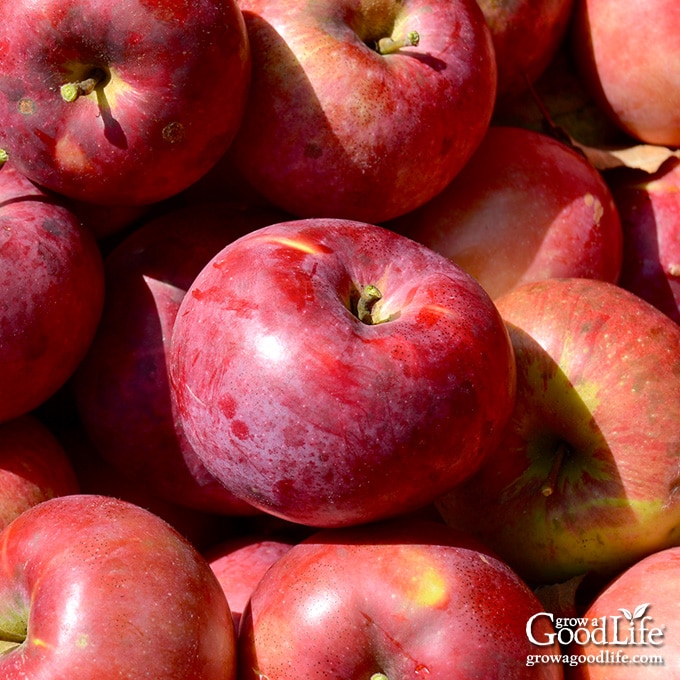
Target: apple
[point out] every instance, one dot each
(34, 467)
(121, 387)
(333, 372)
(584, 480)
(361, 109)
(649, 207)
(390, 601)
(526, 36)
(52, 283)
(526, 207)
(240, 562)
(97, 587)
(626, 54)
(121, 103)
(628, 629)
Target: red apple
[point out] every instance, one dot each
(526, 207)
(94, 587)
(627, 53)
(34, 467)
(125, 102)
(526, 36)
(649, 206)
(332, 372)
(239, 564)
(52, 284)
(387, 602)
(628, 631)
(585, 477)
(361, 109)
(121, 388)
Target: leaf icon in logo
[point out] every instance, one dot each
(627, 614)
(640, 610)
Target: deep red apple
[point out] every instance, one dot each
(585, 479)
(94, 587)
(526, 207)
(121, 387)
(526, 36)
(239, 563)
(362, 109)
(52, 284)
(627, 53)
(629, 628)
(649, 207)
(388, 602)
(332, 372)
(126, 102)
(34, 467)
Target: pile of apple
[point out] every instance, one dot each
(338, 339)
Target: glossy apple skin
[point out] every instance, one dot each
(239, 564)
(174, 96)
(52, 283)
(122, 387)
(653, 580)
(626, 52)
(34, 467)
(334, 129)
(598, 378)
(107, 589)
(410, 600)
(526, 207)
(649, 207)
(308, 413)
(526, 37)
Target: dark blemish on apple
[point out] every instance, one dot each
(53, 227)
(313, 150)
(26, 106)
(240, 430)
(173, 133)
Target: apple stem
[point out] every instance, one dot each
(71, 91)
(369, 296)
(390, 46)
(9, 636)
(379, 676)
(551, 483)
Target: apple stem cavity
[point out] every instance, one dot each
(551, 483)
(390, 46)
(365, 304)
(11, 637)
(70, 92)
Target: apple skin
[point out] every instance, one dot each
(649, 207)
(526, 207)
(122, 387)
(313, 416)
(103, 588)
(526, 37)
(407, 600)
(626, 53)
(34, 467)
(332, 128)
(240, 562)
(176, 80)
(653, 581)
(584, 480)
(52, 282)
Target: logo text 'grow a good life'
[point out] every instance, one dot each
(629, 630)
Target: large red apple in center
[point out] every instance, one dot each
(333, 372)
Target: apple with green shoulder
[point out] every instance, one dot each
(333, 372)
(121, 103)
(363, 109)
(585, 477)
(94, 586)
(388, 601)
